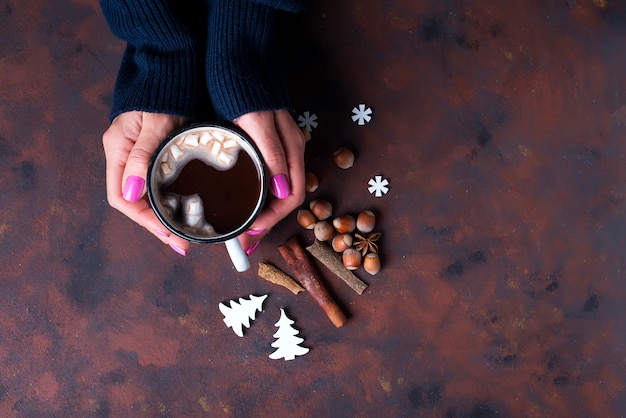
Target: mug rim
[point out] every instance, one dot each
(254, 153)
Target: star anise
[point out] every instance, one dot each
(367, 244)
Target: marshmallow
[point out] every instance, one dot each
(193, 210)
(191, 140)
(215, 148)
(206, 229)
(225, 158)
(170, 202)
(166, 169)
(230, 143)
(205, 138)
(176, 152)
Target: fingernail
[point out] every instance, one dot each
(133, 188)
(255, 232)
(178, 249)
(252, 249)
(280, 185)
(160, 233)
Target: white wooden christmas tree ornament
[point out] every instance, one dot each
(287, 344)
(239, 314)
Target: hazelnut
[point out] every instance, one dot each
(371, 263)
(351, 259)
(323, 231)
(342, 242)
(306, 219)
(366, 221)
(344, 224)
(311, 183)
(343, 157)
(306, 133)
(321, 208)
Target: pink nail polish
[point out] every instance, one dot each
(252, 249)
(133, 188)
(178, 249)
(160, 233)
(280, 186)
(254, 232)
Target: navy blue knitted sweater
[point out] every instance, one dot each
(201, 59)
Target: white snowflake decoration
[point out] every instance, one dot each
(287, 344)
(361, 115)
(307, 121)
(238, 315)
(378, 186)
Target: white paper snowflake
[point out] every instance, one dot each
(378, 186)
(307, 121)
(362, 114)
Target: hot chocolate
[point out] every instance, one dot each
(207, 183)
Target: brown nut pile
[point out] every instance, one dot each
(351, 237)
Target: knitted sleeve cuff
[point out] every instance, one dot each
(243, 69)
(159, 83)
(286, 5)
(162, 69)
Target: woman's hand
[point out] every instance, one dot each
(281, 143)
(129, 144)
(133, 137)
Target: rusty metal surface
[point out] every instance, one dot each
(500, 126)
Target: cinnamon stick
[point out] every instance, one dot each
(299, 262)
(331, 260)
(275, 275)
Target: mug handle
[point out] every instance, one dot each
(237, 255)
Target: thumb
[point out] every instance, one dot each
(136, 168)
(154, 129)
(261, 127)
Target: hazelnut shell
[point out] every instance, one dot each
(342, 242)
(371, 263)
(351, 259)
(311, 183)
(306, 219)
(306, 133)
(343, 157)
(344, 224)
(323, 231)
(366, 221)
(321, 208)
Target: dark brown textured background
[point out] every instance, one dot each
(501, 127)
